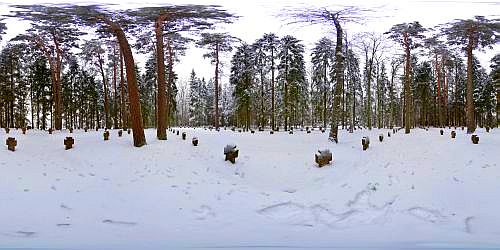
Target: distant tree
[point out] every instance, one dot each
(335, 17)
(217, 43)
(260, 60)
(437, 49)
(195, 100)
(241, 78)
(323, 62)
(54, 33)
(353, 78)
(2, 28)
(93, 53)
(371, 44)
(291, 69)
(395, 65)
(495, 77)
(474, 33)
(408, 35)
(270, 43)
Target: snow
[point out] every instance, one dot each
(421, 190)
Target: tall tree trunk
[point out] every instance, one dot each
(122, 95)
(261, 98)
(161, 131)
(273, 121)
(325, 90)
(170, 80)
(115, 97)
(58, 87)
(216, 118)
(339, 81)
(286, 95)
(106, 95)
(407, 85)
(471, 125)
(133, 92)
(498, 104)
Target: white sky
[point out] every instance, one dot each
(259, 17)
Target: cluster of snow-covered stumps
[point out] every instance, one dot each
(322, 157)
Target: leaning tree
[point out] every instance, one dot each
(409, 36)
(110, 22)
(472, 34)
(338, 18)
(217, 43)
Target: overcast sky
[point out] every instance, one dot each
(260, 16)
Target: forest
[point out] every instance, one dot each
(163, 126)
(75, 68)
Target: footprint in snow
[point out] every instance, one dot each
(427, 214)
(21, 234)
(204, 212)
(119, 223)
(290, 190)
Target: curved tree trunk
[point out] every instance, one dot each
(133, 92)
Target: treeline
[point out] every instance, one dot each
(55, 76)
(271, 87)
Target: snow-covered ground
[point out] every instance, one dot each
(421, 190)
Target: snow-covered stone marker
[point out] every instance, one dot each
(365, 142)
(475, 139)
(11, 143)
(184, 135)
(453, 134)
(323, 157)
(68, 143)
(120, 133)
(106, 135)
(195, 141)
(381, 137)
(231, 152)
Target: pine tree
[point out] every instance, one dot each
(242, 71)
(323, 60)
(475, 33)
(291, 70)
